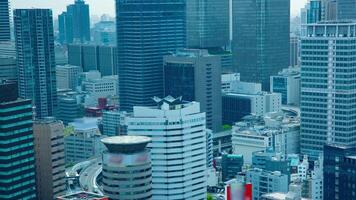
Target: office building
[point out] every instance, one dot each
(244, 99)
(228, 81)
(257, 54)
(287, 83)
(346, 9)
(49, 154)
(231, 165)
(294, 51)
(329, 10)
(17, 168)
(294, 193)
(8, 49)
(67, 77)
(222, 142)
(327, 86)
(127, 168)
(83, 140)
(180, 126)
(106, 86)
(208, 23)
(74, 24)
(339, 172)
(313, 11)
(35, 59)
(114, 123)
(104, 33)
(264, 182)
(70, 107)
(5, 34)
(275, 131)
(159, 27)
(196, 76)
(93, 57)
(8, 68)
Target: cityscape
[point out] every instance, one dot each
(178, 100)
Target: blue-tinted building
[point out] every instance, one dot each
(260, 43)
(4, 21)
(339, 172)
(234, 108)
(146, 31)
(346, 9)
(74, 25)
(328, 82)
(314, 11)
(231, 165)
(35, 59)
(17, 162)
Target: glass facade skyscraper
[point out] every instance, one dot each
(346, 9)
(208, 23)
(74, 25)
(328, 83)
(4, 21)
(146, 31)
(35, 59)
(17, 163)
(260, 39)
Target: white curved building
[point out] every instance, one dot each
(178, 148)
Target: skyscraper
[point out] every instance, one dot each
(196, 76)
(127, 169)
(17, 166)
(49, 154)
(74, 25)
(35, 59)
(4, 21)
(346, 9)
(328, 86)
(178, 147)
(260, 39)
(146, 31)
(208, 23)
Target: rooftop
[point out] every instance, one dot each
(126, 144)
(82, 196)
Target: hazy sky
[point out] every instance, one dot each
(99, 7)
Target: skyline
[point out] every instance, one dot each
(103, 8)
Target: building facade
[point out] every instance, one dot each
(50, 161)
(178, 148)
(74, 24)
(231, 165)
(196, 76)
(127, 168)
(346, 9)
(327, 86)
(8, 68)
(17, 167)
(287, 83)
(114, 123)
(67, 77)
(208, 23)
(36, 60)
(160, 28)
(5, 34)
(257, 54)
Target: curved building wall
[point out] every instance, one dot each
(127, 176)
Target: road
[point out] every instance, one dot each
(88, 175)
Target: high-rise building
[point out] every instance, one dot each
(50, 162)
(208, 23)
(74, 25)
(178, 147)
(35, 59)
(346, 9)
(127, 168)
(329, 12)
(294, 51)
(327, 86)
(93, 57)
(257, 54)
(339, 172)
(114, 123)
(67, 77)
(8, 68)
(4, 21)
(146, 31)
(231, 165)
(196, 76)
(17, 167)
